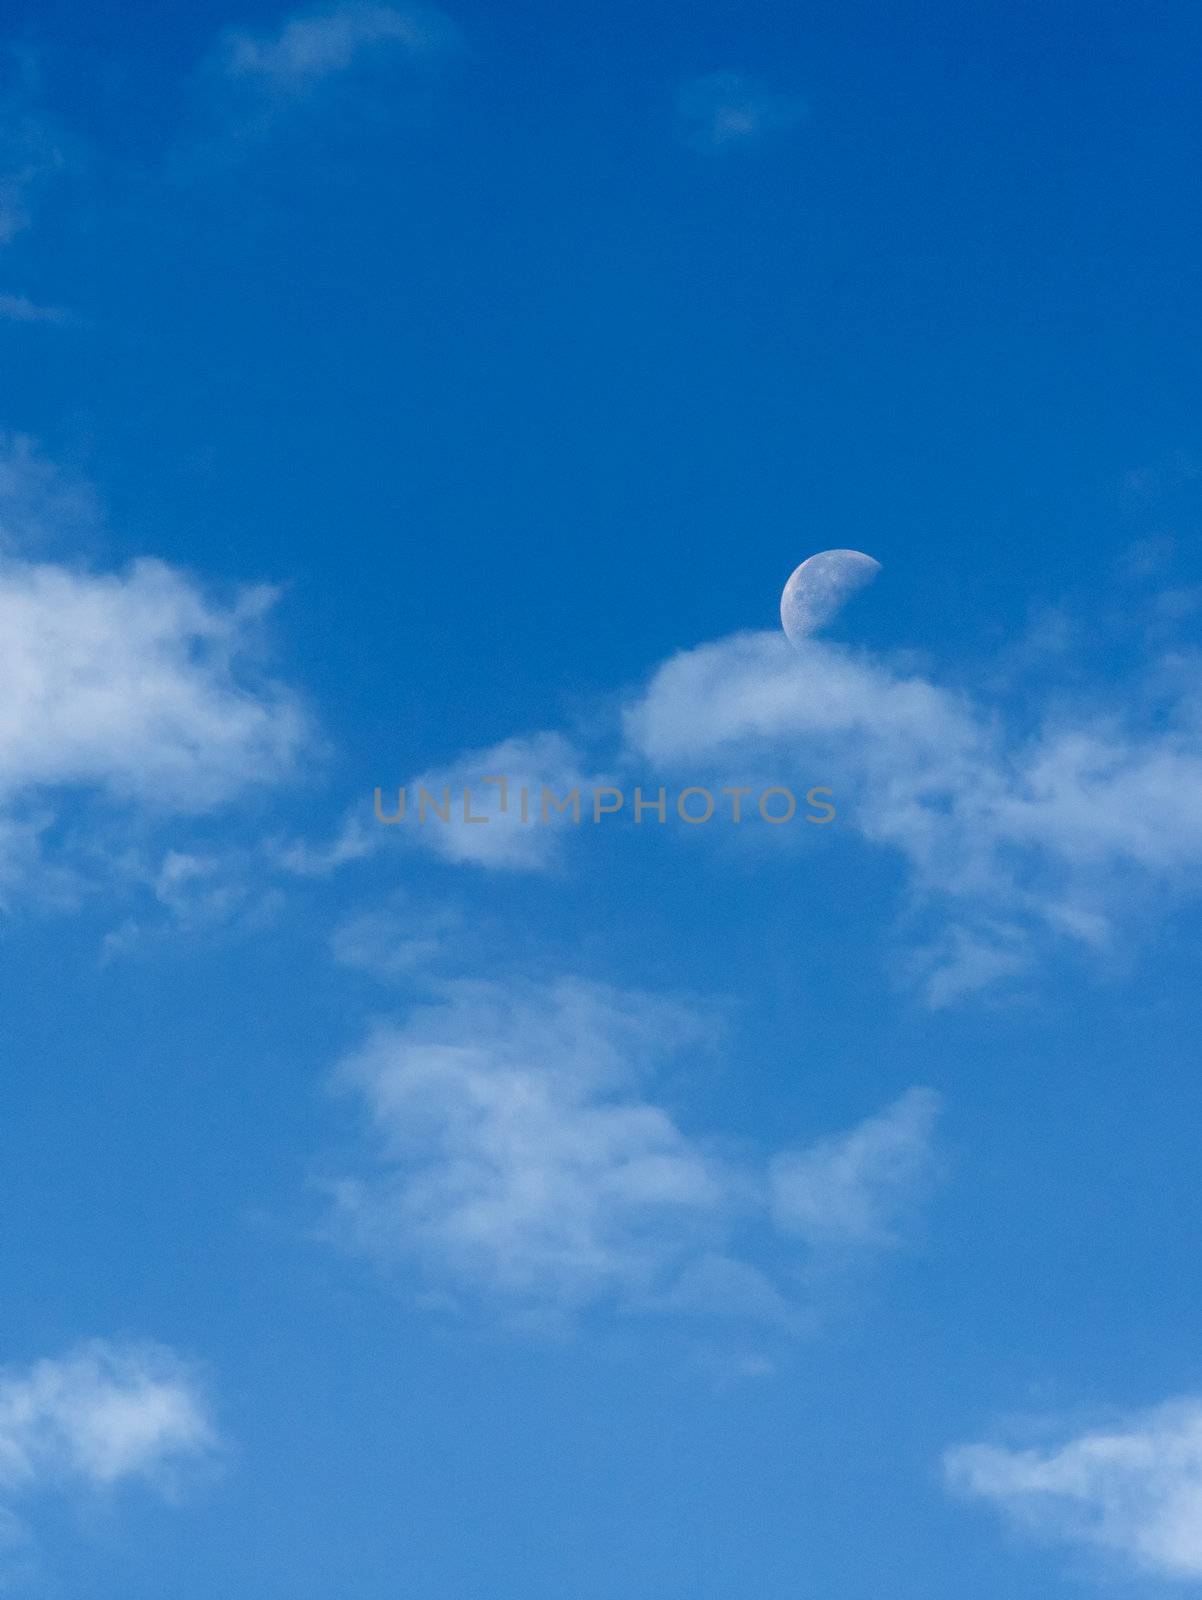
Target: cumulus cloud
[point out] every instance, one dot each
(523, 1157)
(1134, 1490)
(104, 1414)
(726, 108)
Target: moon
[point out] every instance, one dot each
(818, 589)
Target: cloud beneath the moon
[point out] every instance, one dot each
(1057, 829)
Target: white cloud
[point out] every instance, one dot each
(101, 1415)
(130, 697)
(862, 1187)
(138, 685)
(1134, 1490)
(524, 1158)
(314, 46)
(527, 1163)
(727, 108)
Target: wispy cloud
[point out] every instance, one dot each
(862, 1187)
(258, 76)
(1134, 1489)
(40, 504)
(190, 894)
(322, 43)
(726, 109)
(353, 841)
(524, 1160)
(31, 150)
(18, 308)
(398, 941)
(483, 809)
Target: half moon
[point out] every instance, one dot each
(819, 588)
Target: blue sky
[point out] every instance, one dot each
(400, 397)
